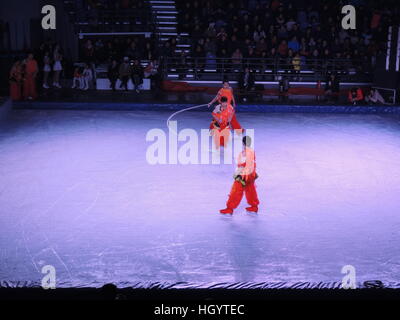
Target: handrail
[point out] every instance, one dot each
(275, 66)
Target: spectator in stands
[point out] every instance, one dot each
(283, 48)
(77, 81)
(246, 81)
(113, 73)
(151, 72)
(332, 88)
(294, 44)
(124, 73)
(374, 97)
(296, 62)
(88, 51)
(31, 71)
(87, 77)
(182, 65)
(259, 33)
(284, 86)
(136, 75)
(237, 58)
(355, 96)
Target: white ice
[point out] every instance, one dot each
(77, 193)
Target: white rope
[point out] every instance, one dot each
(186, 109)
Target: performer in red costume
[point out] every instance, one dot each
(31, 70)
(245, 177)
(16, 75)
(227, 91)
(222, 116)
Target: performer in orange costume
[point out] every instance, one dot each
(16, 81)
(222, 115)
(227, 91)
(245, 177)
(31, 70)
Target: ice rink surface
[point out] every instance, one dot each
(77, 193)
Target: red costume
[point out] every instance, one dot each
(31, 69)
(359, 96)
(16, 82)
(245, 177)
(220, 125)
(228, 93)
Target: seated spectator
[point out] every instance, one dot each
(151, 72)
(294, 44)
(296, 62)
(355, 96)
(87, 77)
(374, 97)
(283, 48)
(77, 80)
(237, 58)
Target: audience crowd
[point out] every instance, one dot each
(294, 31)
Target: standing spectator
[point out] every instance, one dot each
(246, 81)
(46, 69)
(57, 67)
(332, 87)
(137, 75)
(113, 73)
(88, 51)
(124, 73)
(31, 71)
(15, 78)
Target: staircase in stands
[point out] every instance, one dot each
(166, 18)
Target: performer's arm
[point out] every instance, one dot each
(215, 99)
(233, 99)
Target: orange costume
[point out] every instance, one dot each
(228, 93)
(31, 69)
(16, 82)
(245, 177)
(220, 126)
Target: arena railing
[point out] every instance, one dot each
(269, 69)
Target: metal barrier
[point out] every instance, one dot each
(269, 69)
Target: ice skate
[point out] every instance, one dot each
(226, 211)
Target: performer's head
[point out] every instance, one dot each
(225, 83)
(246, 141)
(224, 102)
